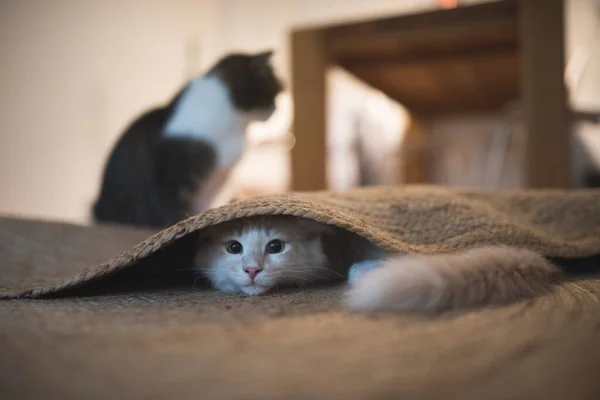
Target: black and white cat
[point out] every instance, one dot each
(172, 161)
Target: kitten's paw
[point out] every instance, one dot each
(360, 269)
(401, 283)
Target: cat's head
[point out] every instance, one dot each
(251, 80)
(257, 254)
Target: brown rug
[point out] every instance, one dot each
(137, 326)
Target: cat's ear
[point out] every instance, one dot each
(325, 229)
(317, 229)
(263, 57)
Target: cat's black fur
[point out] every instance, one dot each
(251, 81)
(149, 179)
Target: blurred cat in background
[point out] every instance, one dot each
(172, 161)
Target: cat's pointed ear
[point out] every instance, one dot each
(325, 228)
(263, 57)
(317, 229)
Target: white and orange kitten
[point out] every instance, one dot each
(254, 255)
(257, 254)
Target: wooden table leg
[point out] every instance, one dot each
(544, 96)
(309, 66)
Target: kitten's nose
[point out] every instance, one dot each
(252, 271)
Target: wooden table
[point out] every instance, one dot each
(463, 60)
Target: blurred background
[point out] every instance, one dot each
(469, 93)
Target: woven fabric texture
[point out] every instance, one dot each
(157, 342)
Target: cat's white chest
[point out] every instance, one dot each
(230, 149)
(205, 112)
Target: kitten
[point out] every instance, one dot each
(257, 254)
(172, 161)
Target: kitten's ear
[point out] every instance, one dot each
(263, 57)
(317, 229)
(326, 229)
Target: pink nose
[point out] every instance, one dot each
(252, 271)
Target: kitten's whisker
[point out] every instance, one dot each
(185, 269)
(319, 269)
(302, 283)
(320, 277)
(302, 277)
(196, 280)
(162, 273)
(328, 270)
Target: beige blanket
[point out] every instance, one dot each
(112, 313)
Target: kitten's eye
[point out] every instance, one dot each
(275, 246)
(234, 247)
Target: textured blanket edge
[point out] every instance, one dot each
(304, 205)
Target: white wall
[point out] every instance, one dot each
(256, 24)
(73, 73)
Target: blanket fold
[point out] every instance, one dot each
(422, 219)
(99, 312)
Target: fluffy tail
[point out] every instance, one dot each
(433, 283)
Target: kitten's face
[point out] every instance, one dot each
(255, 255)
(251, 80)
